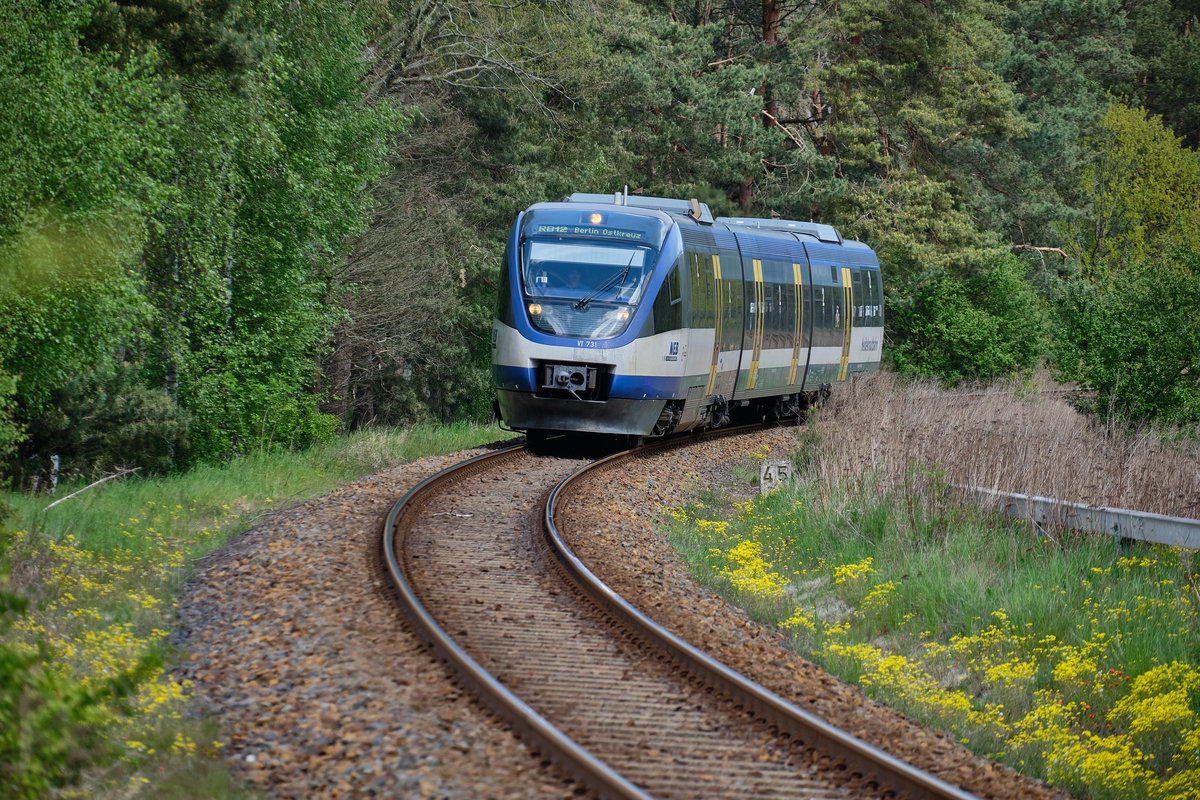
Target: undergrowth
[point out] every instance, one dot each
(1075, 658)
(88, 592)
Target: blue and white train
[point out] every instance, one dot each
(640, 316)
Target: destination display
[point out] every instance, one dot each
(591, 230)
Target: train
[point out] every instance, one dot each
(640, 316)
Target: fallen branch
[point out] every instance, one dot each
(1058, 250)
(90, 485)
(788, 133)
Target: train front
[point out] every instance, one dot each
(573, 320)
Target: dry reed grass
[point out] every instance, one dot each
(996, 438)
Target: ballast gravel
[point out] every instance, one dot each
(616, 517)
(320, 688)
(292, 643)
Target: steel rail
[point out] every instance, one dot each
(556, 746)
(528, 723)
(773, 709)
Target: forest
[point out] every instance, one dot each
(229, 226)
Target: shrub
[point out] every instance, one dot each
(988, 325)
(95, 424)
(52, 727)
(1135, 339)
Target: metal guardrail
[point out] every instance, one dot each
(1122, 523)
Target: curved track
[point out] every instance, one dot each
(625, 707)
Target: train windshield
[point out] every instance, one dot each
(585, 271)
(583, 289)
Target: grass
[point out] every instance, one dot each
(103, 571)
(230, 496)
(1025, 440)
(1071, 658)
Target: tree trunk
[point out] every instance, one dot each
(337, 373)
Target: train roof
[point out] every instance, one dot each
(695, 212)
(684, 208)
(823, 233)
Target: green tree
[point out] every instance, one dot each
(1143, 193)
(1135, 339)
(99, 424)
(274, 160)
(86, 138)
(1168, 42)
(914, 95)
(178, 191)
(1066, 58)
(989, 325)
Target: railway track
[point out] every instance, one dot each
(483, 572)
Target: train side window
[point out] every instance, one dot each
(768, 311)
(673, 286)
(701, 297)
(864, 298)
(877, 297)
(668, 311)
(874, 297)
(868, 301)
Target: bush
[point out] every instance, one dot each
(234, 415)
(987, 326)
(1135, 340)
(11, 432)
(45, 738)
(52, 727)
(96, 424)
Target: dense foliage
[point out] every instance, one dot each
(976, 145)
(1136, 338)
(990, 324)
(176, 199)
(1130, 331)
(186, 188)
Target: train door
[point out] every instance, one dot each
(775, 297)
(727, 336)
(829, 334)
(752, 291)
(847, 318)
(756, 318)
(715, 315)
(801, 320)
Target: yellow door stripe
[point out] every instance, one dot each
(798, 322)
(758, 325)
(716, 354)
(848, 322)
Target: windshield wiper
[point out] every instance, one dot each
(617, 278)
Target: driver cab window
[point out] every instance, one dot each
(574, 269)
